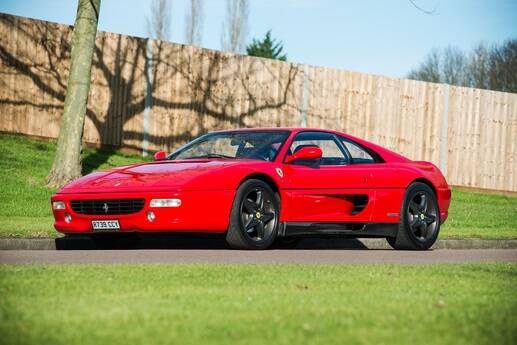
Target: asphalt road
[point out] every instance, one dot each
(285, 256)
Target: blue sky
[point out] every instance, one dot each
(386, 37)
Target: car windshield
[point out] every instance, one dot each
(261, 145)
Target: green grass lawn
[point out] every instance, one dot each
(25, 206)
(24, 165)
(259, 304)
(479, 215)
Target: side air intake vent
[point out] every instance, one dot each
(360, 203)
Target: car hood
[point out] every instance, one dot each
(148, 176)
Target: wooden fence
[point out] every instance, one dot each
(149, 94)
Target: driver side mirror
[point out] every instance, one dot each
(309, 152)
(160, 155)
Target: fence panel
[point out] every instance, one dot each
(148, 95)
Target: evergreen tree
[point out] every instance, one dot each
(267, 48)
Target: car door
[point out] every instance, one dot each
(332, 190)
(387, 190)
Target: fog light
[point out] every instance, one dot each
(165, 202)
(58, 205)
(68, 218)
(151, 216)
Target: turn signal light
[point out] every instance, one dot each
(165, 203)
(58, 205)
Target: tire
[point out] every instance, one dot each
(419, 219)
(254, 216)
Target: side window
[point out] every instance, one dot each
(332, 154)
(357, 153)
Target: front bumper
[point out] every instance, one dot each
(200, 211)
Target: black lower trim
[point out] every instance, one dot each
(341, 229)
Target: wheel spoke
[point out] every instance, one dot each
(260, 229)
(415, 225)
(251, 225)
(423, 203)
(249, 206)
(267, 217)
(429, 219)
(414, 207)
(423, 229)
(260, 199)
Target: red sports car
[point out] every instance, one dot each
(258, 185)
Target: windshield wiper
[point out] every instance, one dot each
(211, 155)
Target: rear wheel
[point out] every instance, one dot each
(420, 219)
(254, 216)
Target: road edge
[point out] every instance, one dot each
(365, 243)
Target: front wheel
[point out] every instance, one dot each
(254, 216)
(420, 219)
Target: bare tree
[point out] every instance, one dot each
(159, 23)
(478, 69)
(443, 66)
(235, 26)
(429, 70)
(454, 65)
(493, 68)
(194, 23)
(67, 162)
(503, 66)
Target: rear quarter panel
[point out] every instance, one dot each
(427, 172)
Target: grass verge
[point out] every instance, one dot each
(259, 304)
(25, 206)
(479, 215)
(24, 165)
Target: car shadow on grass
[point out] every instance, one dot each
(190, 241)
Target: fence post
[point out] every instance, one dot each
(444, 130)
(305, 97)
(148, 95)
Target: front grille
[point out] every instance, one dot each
(107, 207)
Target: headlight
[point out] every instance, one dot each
(58, 205)
(165, 203)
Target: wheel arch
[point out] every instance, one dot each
(426, 182)
(265, 178)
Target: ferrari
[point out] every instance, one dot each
(263, 185)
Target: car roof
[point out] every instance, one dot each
(290, 129)
(386, 154)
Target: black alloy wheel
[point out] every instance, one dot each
(254, 217)
(258, 214)
(420, 219)
(422, 216)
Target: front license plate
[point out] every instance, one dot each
(105, 225)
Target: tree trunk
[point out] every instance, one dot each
(67, 162)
